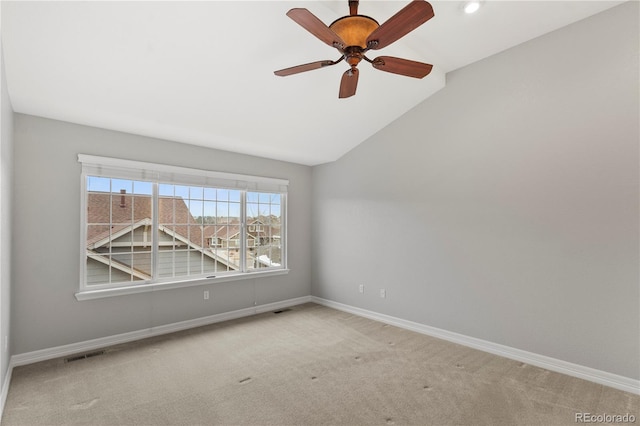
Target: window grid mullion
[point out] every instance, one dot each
(243, 231)
(187, 224)
(174, 224)
(110, 228)
(155, 229)
(132, 221)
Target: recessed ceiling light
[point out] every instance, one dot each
(471, 6)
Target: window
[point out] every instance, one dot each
(148, 224)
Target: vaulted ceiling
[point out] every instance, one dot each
(202, 72)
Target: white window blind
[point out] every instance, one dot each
(128, 169)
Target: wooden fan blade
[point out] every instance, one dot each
(406, 20)
(302, 68)
(402, 66)
(315, 26)
(349, 83)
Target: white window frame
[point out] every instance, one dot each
(161, 173)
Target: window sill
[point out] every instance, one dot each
(145, 288)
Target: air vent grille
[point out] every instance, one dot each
(83, 356)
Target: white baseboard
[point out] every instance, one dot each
(89, 345)
(5, 388)
(598, 376)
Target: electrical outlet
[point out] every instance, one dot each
(206, 295)
(361, 288)
(383, 293)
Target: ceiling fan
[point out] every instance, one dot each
(353, 35)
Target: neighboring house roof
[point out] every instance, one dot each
(136, 211)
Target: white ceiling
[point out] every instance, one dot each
(202, 72)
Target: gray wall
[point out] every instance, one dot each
(505, 207)
(46, 252)
(6, 171)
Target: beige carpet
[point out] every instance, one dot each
(310, 365)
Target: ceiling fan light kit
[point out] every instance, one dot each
(354, 30)
(353, 35)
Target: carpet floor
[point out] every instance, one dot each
(309, 365)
